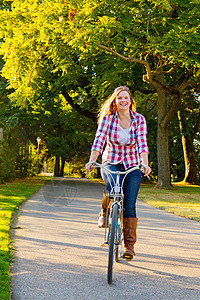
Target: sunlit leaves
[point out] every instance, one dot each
(164, 26)
(41, 41)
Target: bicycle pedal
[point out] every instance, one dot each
(128, 259)
(102, 245)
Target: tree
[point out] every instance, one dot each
(15, 158)
(40, 62)
(65, 132)
(45, 66)
(163, 37)
(40, 73)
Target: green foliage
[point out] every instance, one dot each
(47, 56)
(14, 163)
(54, 45)
(18, 156)
(51, 45)
(7, 163)
(189, 109)
(65, 133)
(165, 27)
(27, 166)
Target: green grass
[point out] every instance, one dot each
(11, 196)
(182, 200)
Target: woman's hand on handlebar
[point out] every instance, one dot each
(93, 157)
(146, 170)
(88, 167)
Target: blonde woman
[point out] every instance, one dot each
(124, 131)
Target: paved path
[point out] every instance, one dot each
(58, 254)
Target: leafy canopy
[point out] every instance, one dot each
(50, 44)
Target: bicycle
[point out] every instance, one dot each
(114, 236)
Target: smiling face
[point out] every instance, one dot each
(123, 101)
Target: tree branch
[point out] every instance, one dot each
(147, 77)
(194, 84)
(180, 86)
(196, 128)
(80, 110)
(145, 92)
(172, 110)
(183, 81)
(130, 59)
(173, 68)
(157, 84)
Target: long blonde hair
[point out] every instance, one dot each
(109, 106)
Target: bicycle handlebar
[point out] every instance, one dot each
(141, 167)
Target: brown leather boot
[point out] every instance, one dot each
(102, 214)
(129, 229)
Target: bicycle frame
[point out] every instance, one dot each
(116, 193)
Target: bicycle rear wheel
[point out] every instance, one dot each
(111, 243)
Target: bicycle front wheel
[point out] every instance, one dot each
(111, 243)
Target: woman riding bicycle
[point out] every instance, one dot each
(124, 131)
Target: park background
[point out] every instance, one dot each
(61, 59)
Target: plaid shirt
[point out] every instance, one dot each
(114, 153)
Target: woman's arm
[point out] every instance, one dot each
(99, 140)
(101, 134)
(144, 158)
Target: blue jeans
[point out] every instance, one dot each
(130, 188)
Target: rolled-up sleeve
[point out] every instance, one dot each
(101, 134)
(142, 135)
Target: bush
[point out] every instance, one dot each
(7, 163)
(14, 165)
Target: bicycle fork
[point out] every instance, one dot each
(118, 223)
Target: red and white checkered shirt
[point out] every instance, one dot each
(115, 152)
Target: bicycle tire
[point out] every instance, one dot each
(111, 244)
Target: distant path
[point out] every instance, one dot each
(58, 254)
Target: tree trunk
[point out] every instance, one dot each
(162, 137)
(1, 137)
(163, 157)
(57, 167)
(190, 161)
(63, 159)
(1, 134)
(189, 155)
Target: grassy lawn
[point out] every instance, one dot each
(11, 196)
(183, 200)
